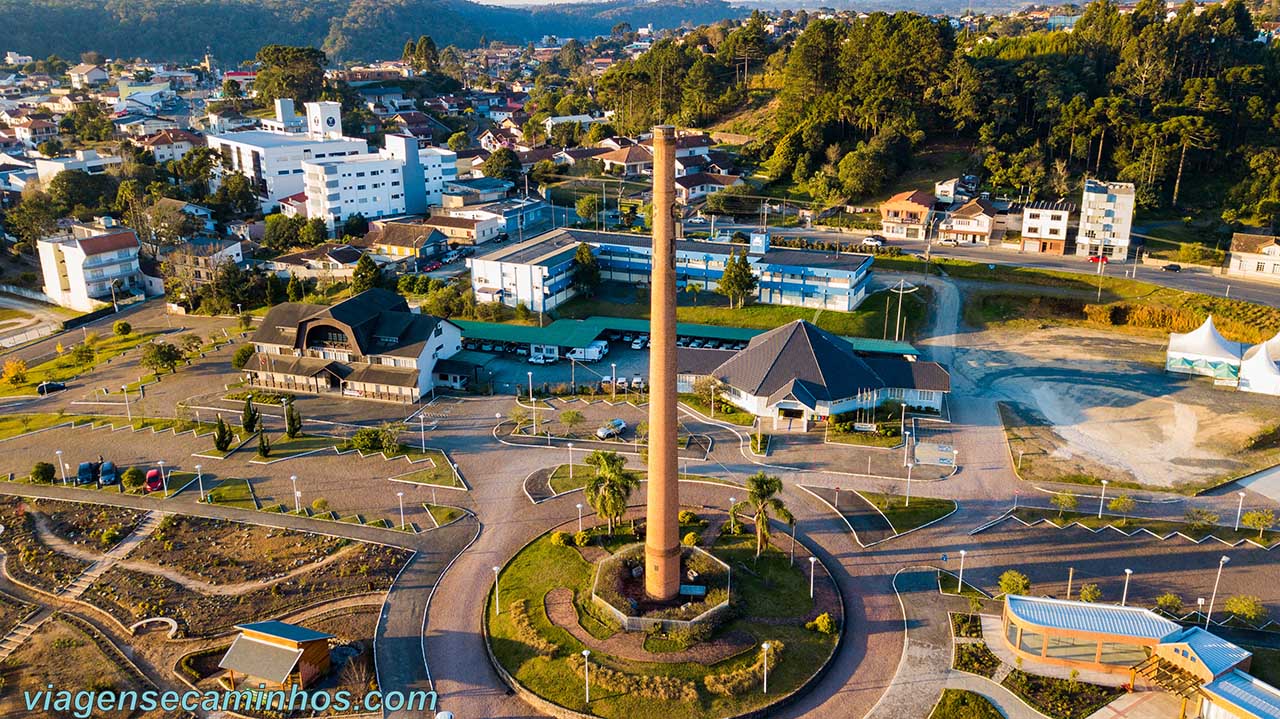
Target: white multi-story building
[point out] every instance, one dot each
(1106, 219)
(403, 177)
(273, 160)
(87, 161)
(1045, 226)
(85, 264)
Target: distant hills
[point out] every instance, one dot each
(347, 29)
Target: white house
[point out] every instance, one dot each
(169, 145)
(85, 264)
(370, 346)
(1106, 219)
(971, 224)
(1045, 226)
(85, 75)
(1254, 256)
(273, 160)
(87, 161)
(691, 188)
(31, 132)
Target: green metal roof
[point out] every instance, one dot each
(715, 332)
(479, 359)
(562, 333)
(889, 347)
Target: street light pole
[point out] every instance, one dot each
(765, 648)
(579, 505)
(1102, 498)
(297, 505)
(586, 673)
(533, 404)
(1239, 510)
(813, 569)
(422, 431)
(571, 466)
(1124, 597)
(906, 447)
(960, 579)
(497, 598)
(910, 466)
(1214, 597)
(164, 480)
(400, 496)
(200, 481)
(613, 381)
(62, 467)
(127, 409)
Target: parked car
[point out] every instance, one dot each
(108, 474)
(873, 241)
(638, 344)
(49, 387)
(1172, 268)
(540, 359)
(948, 242)
(522, 351)
(628, 337)
(154, 481)
(1099, 258)
(696, 221)
(695, 344)
(87, 473)
(637, 383)
(682, 341)
(468, 345)
(613, 335)
(486, 347)
(621, 383)
(612, 428)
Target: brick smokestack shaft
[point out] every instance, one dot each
(662, 541)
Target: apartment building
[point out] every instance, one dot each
(971, 224)
(1106, 219)
(1046, 226)
(907, 215)
(86, 264)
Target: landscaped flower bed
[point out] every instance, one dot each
(30, 560)
(976, 658)
(1062, 698)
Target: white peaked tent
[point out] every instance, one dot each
(1204, 351)
(1260, 370)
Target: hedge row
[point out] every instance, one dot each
(744, 680)
(647, 686)
(524, 629)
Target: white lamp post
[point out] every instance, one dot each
(1102, 498)
(497, 601)
(200, 481)
(62, 467)
(586, 673)
(765, 648)
(960, 580)
(906, 446)
(1214, 597)
(422, 431)
(579, 516)
(813, 569)
(1200, 605)
(837, 500)
(293, 479)
(1239, 510)
(571, 463)
(400, 496)
(910, 466)
(613, 381)
(1124, 597)
(127, 409)
(164, 479)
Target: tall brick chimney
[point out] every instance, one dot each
(662, 541)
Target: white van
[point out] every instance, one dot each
(593, 352)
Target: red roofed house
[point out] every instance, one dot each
(907, 215)
(32, 132)
(84, 265)
(170, 144)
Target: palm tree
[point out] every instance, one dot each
(762, 490)
(609, 489)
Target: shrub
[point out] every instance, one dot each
(42, 473)
(264, 445)
(375, 439)
(249, 415)
(582, 538)
(241, 356)
(1169, 602)
(1090, 592)
(221, 436)
(320, 504)
(519, 613)
(1200, 520)
(743, 680)
(822, 624)
(647, 686)
(1102, 314)
(122, 328)
(691, 539)
(110, 536)
(687, 517)
(561, 539)
(1014, 582)
(1246, 607)
(976, 658)
(133, 478)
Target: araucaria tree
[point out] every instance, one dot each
(222, 436)
(762, 501)
(610, 487)
(249, 416)
(292, 420)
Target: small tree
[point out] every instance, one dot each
(15, 372)
(706, 389)
(161, 356)
(222, 436)
(83, 353)
(365, 276)
(1259, 519)
(1246, 607)
(1089, 592)
(587, 207)
(122, 328)
(761, 501)
(518, 416)
(292, 421)
(264, 445)
(1014, 582)
(1122, 505)
(1200, 520)
(320, 504)
(191, 345)
(42, 473)
(241, 356)
(1065, 502)
(132, 478)
(245, 321)
(1170, 603)
(249, 415)
(572, 419)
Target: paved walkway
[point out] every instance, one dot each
(1142, 705)
(1004, 700)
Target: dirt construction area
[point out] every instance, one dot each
(1087, 405)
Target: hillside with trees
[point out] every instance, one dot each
(347, 29)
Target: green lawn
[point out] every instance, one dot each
(904, 518)
(1158, 526)
(947, 585)
(560, 482)
(12, 425)
(282, 447)
(62, 369)
(8, 313)
(724, 411)
(961, 704)
(233, 493)
(864, 439)
(442, 514)
(440, 474)
(542, 566)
